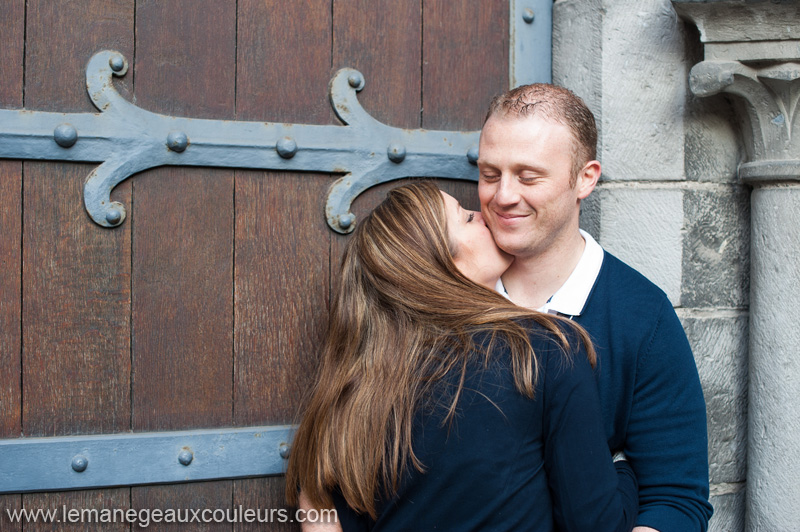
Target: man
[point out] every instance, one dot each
(537, 162)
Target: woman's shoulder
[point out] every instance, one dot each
(547, 329)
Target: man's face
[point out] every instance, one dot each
(525, 172)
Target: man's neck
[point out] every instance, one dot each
(531, 281)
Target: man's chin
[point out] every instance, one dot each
(510, 247)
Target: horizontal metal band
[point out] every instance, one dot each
(129, 459)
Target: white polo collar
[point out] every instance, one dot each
(571, 298)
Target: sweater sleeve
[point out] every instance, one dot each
(666, 441)
(590, 492)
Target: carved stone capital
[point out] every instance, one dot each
(769, 112)
(752, 51)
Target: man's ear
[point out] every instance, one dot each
(587, 178)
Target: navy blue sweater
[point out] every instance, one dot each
(650, 393)
(508, 462)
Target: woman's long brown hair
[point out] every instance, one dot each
(402, 310)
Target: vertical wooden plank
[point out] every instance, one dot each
(76, 275)
(282, 240)
(465, 64)
(12, 28)
(182, 243)
(465, 61)
(384, 42)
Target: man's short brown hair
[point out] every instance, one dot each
(557, 104)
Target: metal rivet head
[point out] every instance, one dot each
(396, 153)
(185, 457)
(113, 216)
(177, 141)
(472, 155)
(80, 463)
(65, 135)
(528, 15)
(285, 449)
(346, 220)
(356, 80)
(117, 63)
(286, 147)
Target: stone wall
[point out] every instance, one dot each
(669, 202)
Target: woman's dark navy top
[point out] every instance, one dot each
(508, 462)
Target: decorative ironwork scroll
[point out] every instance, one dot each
(126, 140)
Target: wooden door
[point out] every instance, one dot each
(205, 308)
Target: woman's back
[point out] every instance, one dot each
(503, 460)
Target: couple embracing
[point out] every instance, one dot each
(498, 370)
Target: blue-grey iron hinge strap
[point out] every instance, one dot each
(83, 462)
(128, 140)
(530, 42)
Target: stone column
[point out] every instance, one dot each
(752, 51)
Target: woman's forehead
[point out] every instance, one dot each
(449, 201)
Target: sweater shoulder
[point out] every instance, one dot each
(624, 287)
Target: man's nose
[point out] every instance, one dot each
(506, 192)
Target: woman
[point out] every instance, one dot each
(439, 404)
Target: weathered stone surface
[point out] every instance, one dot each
(716, 250)
(644, 79)
(728, 511)
(748, 51)
(713, 144)
(720, 350)
(742, 20)
(774, 395)
(577, 63)
(629, 67)
(643, 227)
(590, 215)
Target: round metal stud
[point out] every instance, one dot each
(177, 141)
(80, 463)
(185, 457)
(286, 147)
(65, 135)
(472, 155)
(346, 221)
(285, 449)
(113, 216)
(528, 15)
(117, 63)
(396, 153)
(356, 80)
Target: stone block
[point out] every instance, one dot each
(577, 63)
(758, 20)
(716, 247)
(644, 91)
(590, 215)
(713, 146)
(643, 227)
(719, 344)
(629, 67)
(729, 511)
